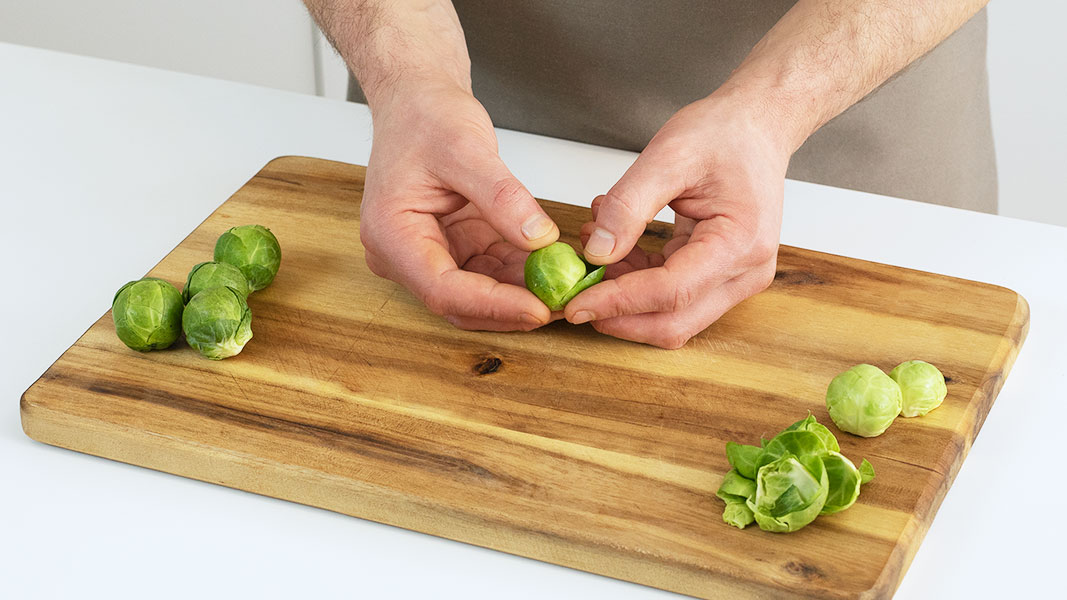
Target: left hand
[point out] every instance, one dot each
(723, 173)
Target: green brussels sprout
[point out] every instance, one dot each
(556, 274)
(207, 275)
(743, 458)
(147, 314)
(922, 387)
(790, 493)
(217, 322)
(738, 514)
(863, 401)
(254, 250)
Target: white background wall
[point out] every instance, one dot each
(274, 43)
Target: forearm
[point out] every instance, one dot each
(392, 46)
(825, 55)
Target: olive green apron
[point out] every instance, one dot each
(611, 72)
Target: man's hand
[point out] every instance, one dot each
(441, 214)
(444, 217)
(722, 173)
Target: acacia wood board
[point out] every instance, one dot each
(561, 445)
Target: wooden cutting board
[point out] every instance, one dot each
(561, 445)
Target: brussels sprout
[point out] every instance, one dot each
(810, 424)
(254, 250)
(922, 387)
(556, 274)
(863, 400)
(147, 314)
(790, 493)
(217, 322)
(207, 275)
(745, 459)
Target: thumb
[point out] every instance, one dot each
(505, 203)
(630, 205)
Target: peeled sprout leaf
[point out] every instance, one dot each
(556, 274)
(810, 424)
(844, 483)
(207, 275)
(738, 514)
(734, 487)
(922, 387)
(254, 250)
(147, 314)
(745, 459)
(797, 475)
(218, 323)
(866, 471)
(863, 401)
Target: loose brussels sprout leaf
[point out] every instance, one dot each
(810, 424)
(734, 486)
(207, 275)
(793, 443)
(738, 514)
(254, 250)
(147, 314)
(866, 471)
(844, 483)
(556, 274)
(790, 492)
(922, 387)
(217, 322)
(744, 458)
(863, 401)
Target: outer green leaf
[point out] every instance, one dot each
(810, 424)
(844, 483)
(744, 458)
(734, 486)
(738, 514)
(866, 471)
(793, 443)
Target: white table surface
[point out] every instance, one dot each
(105, 167)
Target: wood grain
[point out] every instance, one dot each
(561, 445)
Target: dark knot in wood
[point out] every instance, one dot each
(488, 365)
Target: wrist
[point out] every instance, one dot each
(779, 114)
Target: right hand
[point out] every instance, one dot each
(443, 216)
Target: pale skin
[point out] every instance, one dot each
(443, 216)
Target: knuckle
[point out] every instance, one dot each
(683, 298)
(624, 202)
(674, 337)
(763, 249)
(508, 194)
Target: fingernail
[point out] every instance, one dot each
(582, 316)
(601, 242)
(536, 227)
(529, 319)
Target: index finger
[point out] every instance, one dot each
(414, 252)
